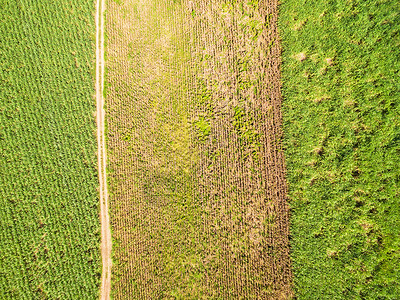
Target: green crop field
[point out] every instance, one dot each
(49, 224)
(342, 143)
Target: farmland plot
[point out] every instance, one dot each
(197, 181)
(49, 225)
(342, 128)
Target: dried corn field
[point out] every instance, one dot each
(196, 170)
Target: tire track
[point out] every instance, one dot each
(102, 156)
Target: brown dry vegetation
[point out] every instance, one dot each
(197, 178)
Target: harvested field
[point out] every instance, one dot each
(196, 170)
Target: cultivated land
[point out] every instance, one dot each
(342, 132)
(49, 216)
(196, 172)
(195, 165)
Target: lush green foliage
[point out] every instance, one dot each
(341, 65)
(49, 225)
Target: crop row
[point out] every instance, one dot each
(198, 197)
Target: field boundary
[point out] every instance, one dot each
(102, 156)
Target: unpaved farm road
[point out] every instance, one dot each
(101, 155)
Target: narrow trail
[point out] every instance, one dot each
(101, 155)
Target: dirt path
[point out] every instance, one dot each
(105, 225)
